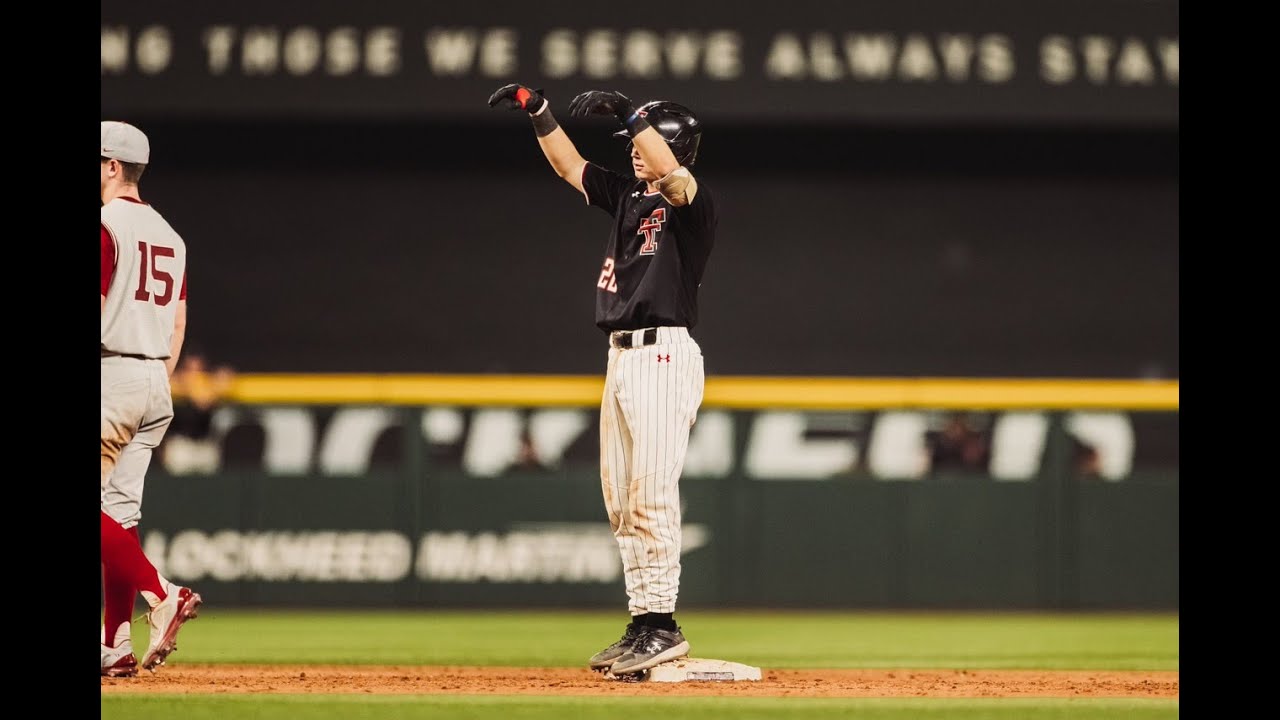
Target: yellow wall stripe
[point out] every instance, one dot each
(818, 393)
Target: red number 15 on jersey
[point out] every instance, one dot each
(150, 255)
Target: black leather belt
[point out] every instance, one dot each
(107, 353)
(623, 339)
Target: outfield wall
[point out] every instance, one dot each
(497, 503)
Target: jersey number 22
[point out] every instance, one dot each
(608, 281)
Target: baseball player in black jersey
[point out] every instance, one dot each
(662, 232)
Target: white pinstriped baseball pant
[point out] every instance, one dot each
(651, 399)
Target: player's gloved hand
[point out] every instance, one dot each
(517, 97)
(609, 102)
(602, 102)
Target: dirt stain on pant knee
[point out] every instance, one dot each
(113, 443)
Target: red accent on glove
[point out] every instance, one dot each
(523, 96)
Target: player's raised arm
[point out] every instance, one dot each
(675, 182)
(555, 143)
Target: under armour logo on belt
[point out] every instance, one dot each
(664, 358)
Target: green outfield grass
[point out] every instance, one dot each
(766, 639)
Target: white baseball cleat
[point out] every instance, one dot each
(179, 606)
(118, 661)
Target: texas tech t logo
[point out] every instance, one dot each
(650, 227)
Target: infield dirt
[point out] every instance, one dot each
(581, 681)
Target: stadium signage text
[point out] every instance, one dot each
(651, 54)
(780, 445)
(1091, 60)
(528, 553)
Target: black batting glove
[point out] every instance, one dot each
(517, 97)
(601, 102)
(608, 102)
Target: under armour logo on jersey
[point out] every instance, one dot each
(664, 358)
(649, 227)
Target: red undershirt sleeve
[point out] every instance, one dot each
(109, 261)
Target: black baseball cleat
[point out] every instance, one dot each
(605, 658)
(653, 647)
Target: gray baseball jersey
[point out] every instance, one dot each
(144, 274)
(144, 277)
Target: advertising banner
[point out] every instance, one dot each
(493, 507)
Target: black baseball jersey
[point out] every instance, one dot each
(656, 254)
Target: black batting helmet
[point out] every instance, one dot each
(676, 124)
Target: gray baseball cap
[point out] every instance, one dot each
(124, 142)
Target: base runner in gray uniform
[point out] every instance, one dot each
(661, 234)
(144, 317)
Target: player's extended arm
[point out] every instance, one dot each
(555, 143)
(676, 183)
(653, 149)
(179, 334)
